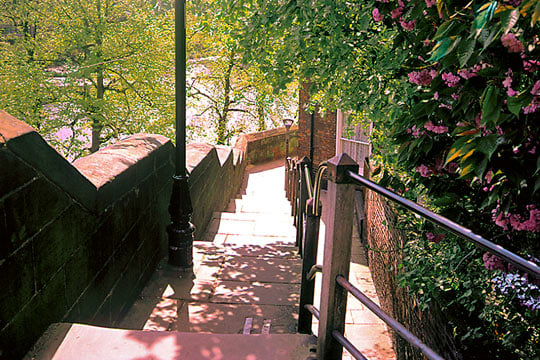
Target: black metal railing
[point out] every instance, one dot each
(304, 195)
(449, 225)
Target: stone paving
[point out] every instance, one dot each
(246, 275)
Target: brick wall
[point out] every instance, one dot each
(324, 136)
(384, 256)
(78, 241)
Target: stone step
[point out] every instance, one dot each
(243, 226)
(65, 341)
(285, 218)
(258, 206)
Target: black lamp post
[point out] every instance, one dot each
(180, 231)
(287, 123)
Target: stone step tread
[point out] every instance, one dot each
(247, 216)
(65, 341)
(243, 227)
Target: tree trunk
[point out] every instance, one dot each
(96, 123)
(97, 126)
(261, 124)
(222, 135)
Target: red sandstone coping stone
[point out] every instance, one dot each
(84, 342)
(195, 153)
(11, 128)
(104, 166)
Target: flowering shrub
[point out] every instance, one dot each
(468, 137)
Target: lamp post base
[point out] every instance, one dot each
(180, 231)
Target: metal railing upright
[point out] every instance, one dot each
(343, 179)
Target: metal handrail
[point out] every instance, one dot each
(313, 310)
(517, 261)
(356, 141)
(394, 324)
(317, 190)
(309, 187)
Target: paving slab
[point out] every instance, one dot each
(259, 240)
(272, 251)
(262, 269)
(231, 318)
(236, 292)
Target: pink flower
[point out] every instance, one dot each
(396, 12)
(489, 176)
(409, 26)
(424, 170)
(377, 15)
(435, 238)
(507, 82)
(436, 95)
(536, 88)
(450, 79)
(511, 92)
(493, 262)
(420, 77)
(531, 65)
(500, 220)
(511, 43)
(430, 3)
(415, 132)
(439, 129)
(533, 106)
(467, 73)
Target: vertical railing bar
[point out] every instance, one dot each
(307, 287)
(337, 256)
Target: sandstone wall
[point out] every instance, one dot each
(78, 241)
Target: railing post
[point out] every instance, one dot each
(307, 289)
(287, 161)
(337, 255)
(294, 190)
(302, 192)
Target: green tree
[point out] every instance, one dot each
(98, 67)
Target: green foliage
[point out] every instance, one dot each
(89, 69)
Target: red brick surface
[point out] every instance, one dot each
(324, 144)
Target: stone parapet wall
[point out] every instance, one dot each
(268, 145)
(78, 241)
(385, 242)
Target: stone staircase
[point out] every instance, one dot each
(240, 301)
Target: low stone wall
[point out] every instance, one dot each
(384, 255)
(268, 145)
(78, 241)
(216, 173)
